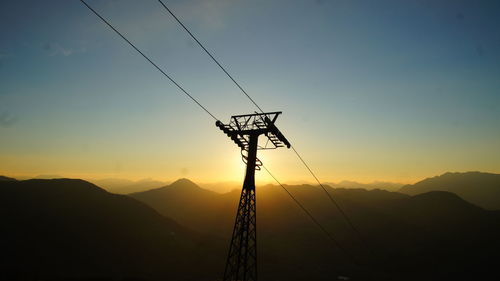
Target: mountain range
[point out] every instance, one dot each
(482, 189)
(431, 236)
(66, 229)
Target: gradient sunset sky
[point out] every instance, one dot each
(370, 90)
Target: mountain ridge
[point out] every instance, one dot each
(85, 232)
(92, 233)
(423, 231)
(479, 188)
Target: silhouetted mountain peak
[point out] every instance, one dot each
(184, 183)
(181, 186)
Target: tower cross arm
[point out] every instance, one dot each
(243, 126)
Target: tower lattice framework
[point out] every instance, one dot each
(244, 130)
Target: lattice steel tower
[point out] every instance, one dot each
(244, 130)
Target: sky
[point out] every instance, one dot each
(386, 90)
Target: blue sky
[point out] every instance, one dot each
(370, 90)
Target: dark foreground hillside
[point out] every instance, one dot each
(71, 229)
(432, 236)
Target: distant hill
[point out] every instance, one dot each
(124, 186)
(200, 209)
(4, 178)
(432, 236)
(71, 229)
(482, 189)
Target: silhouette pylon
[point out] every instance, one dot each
(244, 130)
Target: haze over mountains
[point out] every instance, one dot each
(60, 229)
(390, 186)
(124, 186)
